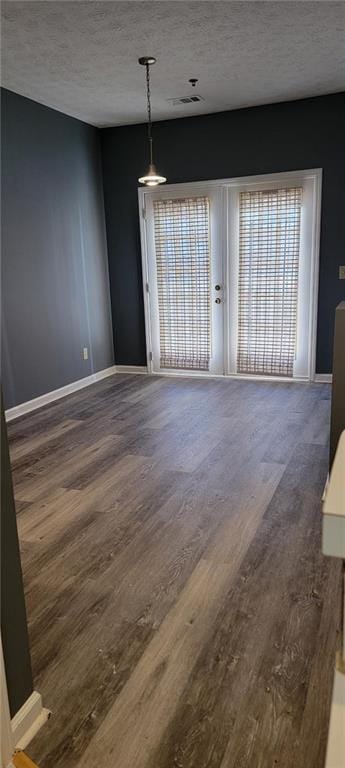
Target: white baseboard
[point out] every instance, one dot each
(323, 497)
(323, 378)
(28, 720)
(68, 389)
(131, 369)
(56, 394)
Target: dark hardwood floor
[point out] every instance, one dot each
(181, 614)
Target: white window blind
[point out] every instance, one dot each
(183, 281)
(268, 280)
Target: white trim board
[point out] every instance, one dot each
(194, 374)
(323, 378)
(190, 186)
(56, 394)
(28, 720)
(131, 368)
(320, 378)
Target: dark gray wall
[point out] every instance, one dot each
(281, 137)
(54, 258)
(13, 616)
(338, 383)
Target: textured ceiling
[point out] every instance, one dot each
(81, 57)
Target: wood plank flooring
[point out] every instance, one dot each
(181, 614)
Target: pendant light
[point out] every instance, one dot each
(152, 177)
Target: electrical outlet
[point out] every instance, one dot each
(341, 273)
(85, 353)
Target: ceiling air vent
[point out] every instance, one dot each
(185, 100)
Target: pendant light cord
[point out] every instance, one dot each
(152, 178)
(149, 124)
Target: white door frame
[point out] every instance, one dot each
(217, 197)
(313, 178)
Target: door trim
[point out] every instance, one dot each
(195, 188)
(216, 194)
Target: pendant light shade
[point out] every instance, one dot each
(151, 178)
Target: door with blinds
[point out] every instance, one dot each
(272, 276)
(269, 257)
(230, 276)
(185, 283)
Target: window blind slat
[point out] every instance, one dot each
(269, 246)
(181, 229)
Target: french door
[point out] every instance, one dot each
(230, 276)
(184, 271)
